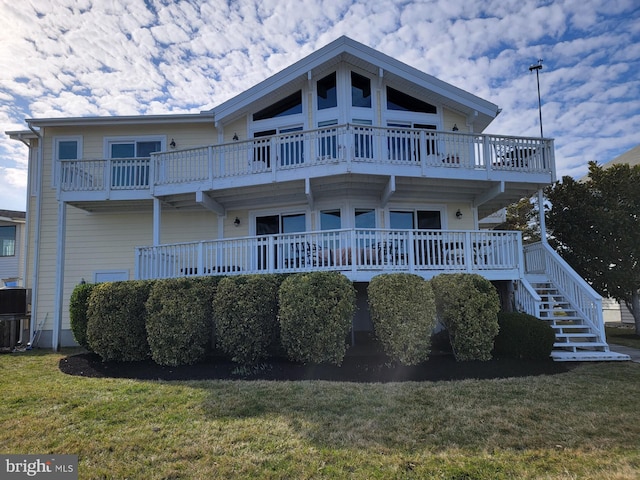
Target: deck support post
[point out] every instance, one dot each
(59, 292)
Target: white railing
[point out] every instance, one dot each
(541, 258)
(527, 299)
(348, 250)
(101, 175)
(336, 144)
(355, 143)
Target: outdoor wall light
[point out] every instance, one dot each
(455, 127)
(458, 214)
(236, 222)
(173, 143)
(235, 137)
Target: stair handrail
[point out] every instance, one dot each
(582, 297)
(526, 297)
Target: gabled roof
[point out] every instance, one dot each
(478, 111)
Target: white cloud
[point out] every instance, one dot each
(124, 57)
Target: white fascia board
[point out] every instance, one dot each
(19, 134)
(124, 120)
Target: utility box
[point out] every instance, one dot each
(15, 316)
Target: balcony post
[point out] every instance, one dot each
(273, 157)
(411, 252)
(486, 152)
(348, 147)
(201, 258)
(107, 177)
(468, 252)
(270, 254)
(422, 158)
(152, 172)
(210, 163)
(520, 254)
(353, 248)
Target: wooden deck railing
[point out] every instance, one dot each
(345, 145)
(351, 251)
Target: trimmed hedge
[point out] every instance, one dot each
(179, 324)
(78, 306)
(316, 312)
(523, 336)
(116, 320)
(403, 313)
(245, 312)
(468, 306)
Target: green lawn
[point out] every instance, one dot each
(624, 335)
(578, 425)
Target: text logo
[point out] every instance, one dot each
(50, 467)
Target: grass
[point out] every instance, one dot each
(581, 424)
(623, 335)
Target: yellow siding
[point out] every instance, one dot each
(238, 127)
(180, 227)
(242, 230)
(450, 119)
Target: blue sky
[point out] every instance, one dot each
(132, 57)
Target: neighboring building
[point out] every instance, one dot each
(348, 161)
(12, 251)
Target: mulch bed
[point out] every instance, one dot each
(356, 367)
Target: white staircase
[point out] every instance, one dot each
(576, 339)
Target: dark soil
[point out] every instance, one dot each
(361, 364)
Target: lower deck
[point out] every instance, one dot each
(360, 254)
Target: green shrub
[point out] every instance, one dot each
(78, 306)
(245, 312)
(468, 306)
(179, 323)
(116, 320)
(316, 312)
(523, 336)
(403, 313)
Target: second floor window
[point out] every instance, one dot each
(290, 105)
(134, 149)
(360, 91)
(327, 92)
(7, 241)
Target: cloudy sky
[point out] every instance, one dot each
(130, 57)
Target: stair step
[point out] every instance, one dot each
(580, 345)
(568, 325)
(576, 335)
(582, 356)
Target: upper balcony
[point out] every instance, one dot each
(310, 154)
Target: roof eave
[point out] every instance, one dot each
(202, 117)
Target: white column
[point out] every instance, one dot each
(543, 225)
(60, 262)
(157, 221)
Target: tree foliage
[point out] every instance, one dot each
(595, 226)
(523, 216)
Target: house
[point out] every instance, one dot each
(12, 256)
(348, 160)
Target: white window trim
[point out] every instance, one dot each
(55, 167)
(253, 214)
(133, 138)
(413, 208)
